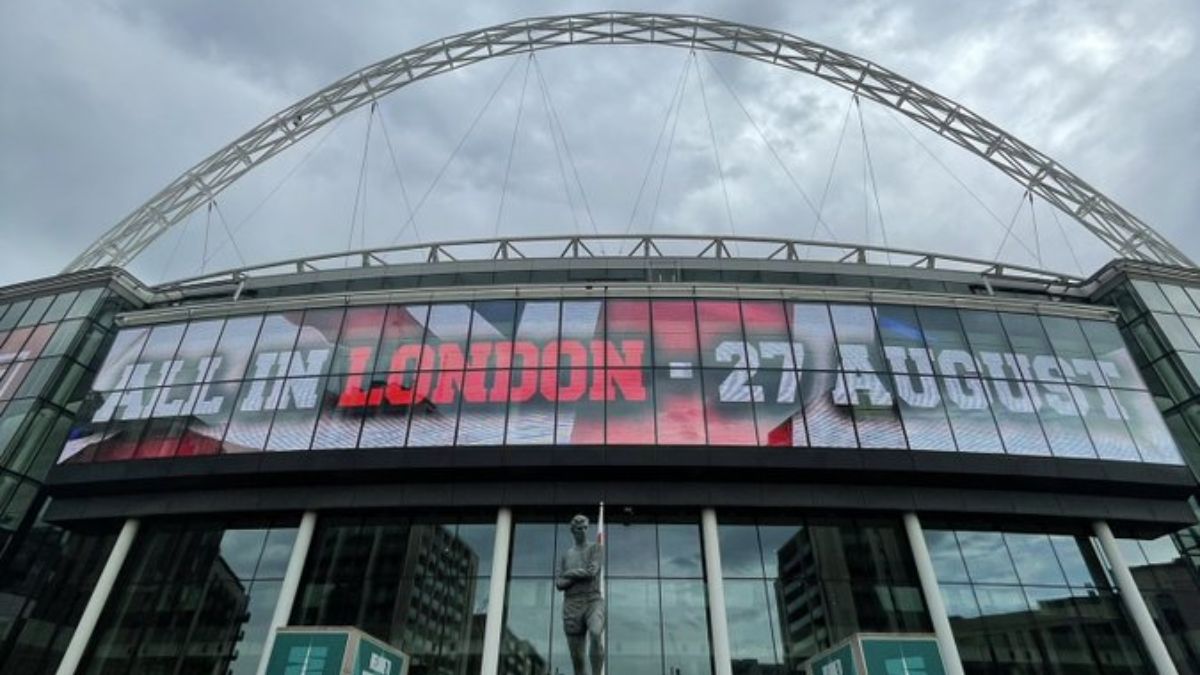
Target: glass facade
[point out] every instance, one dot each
(1160, 320)
(1032, 602)
(624, 372)
(654, 596)
(1169, 580)
(194, 597)
(795, 587)
(48, 345)
(420, 583)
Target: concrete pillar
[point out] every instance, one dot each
(291, 583)
(498, 586)
(1134, 603)
(95, 604)
(722, 659)
(951, 661)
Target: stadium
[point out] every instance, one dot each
(802, 456)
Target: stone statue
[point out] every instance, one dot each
(578, 578)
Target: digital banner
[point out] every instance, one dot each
(623, 371)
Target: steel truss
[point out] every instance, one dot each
(680, 246)
(1120, 230)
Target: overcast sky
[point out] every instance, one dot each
(104, 103)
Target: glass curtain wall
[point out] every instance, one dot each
(194, 597)
(1023, 602)
(794, 587)
(657, 614)
(1170, 584)
(43, 590)
(419, 583)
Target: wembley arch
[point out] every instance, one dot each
(1116, 227)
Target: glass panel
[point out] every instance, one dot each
(675, 342)
(531, 403)
(580, 416)
(679, 405)
(634, 627)
(679, 551)
(1115, 362)
(1013, 407)
(1151, 295)
(315, 343)
(491, 341)
(769, 344)
(987, 558)
(628, 336)
(58, 309)
(1150, 432)
(36, 310)
(629, 417)
(1034, 557)
(778, 409)
(1178, 299)
(721, 341)
(119, 362)
(829, 425)
(196, 350)
(728, 411)
(85, 303)
(338, 426)
(925, 420)
(812, 331)
(273, 351)
(1176, 333)
(435, 408)
(632, 549)
(296, 416)
(751, 634)
(685, 648)
(857, 340)
(582, 332)
(1105, 423)
(740, 555)
(1031, 345)
(482, 414)
(947, 344)
(1062, 423)
(232, 355)
(971, 419)
(358, 341)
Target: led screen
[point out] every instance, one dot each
(623, 372)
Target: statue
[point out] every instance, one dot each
(583, 605)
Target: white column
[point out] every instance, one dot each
(494, 625)
(1134, 603)
(291, 582)
(95, 603)
(722, 659)
(933, 596)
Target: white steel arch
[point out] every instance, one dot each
(1120, 230)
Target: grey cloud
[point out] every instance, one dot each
(106, 103)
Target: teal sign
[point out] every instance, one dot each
(902, 657)
(376, 658)
(308, 653)
(880, 654)
(332, 650)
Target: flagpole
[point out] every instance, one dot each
(603, 578)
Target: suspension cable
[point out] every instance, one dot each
(558, 154)
(1067, 241)
(359, 189)
(557, 122)
(1037, 237)
(829, 177)
(874, 183)
(387, 138)
(291, 172)
(225, 224)
(950, 172)
(512, 147)
(675, 97)
(712, 134)
(770, 146)
(454, 153)
(207, 228)
(175, 249)
(1008, 230)
(662, 174)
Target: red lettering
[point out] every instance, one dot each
(479, 354)
(526, 386)
(396, 391)
(629, 381)
(572, 354)
(632, 357)
(576, 383)
(408, 356)
(353, 395)
(548, 383)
